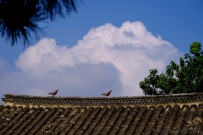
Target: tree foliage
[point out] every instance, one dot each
(19, 18)
(185, 77)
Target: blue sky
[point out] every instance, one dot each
(87, 68)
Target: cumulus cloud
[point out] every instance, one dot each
(106, 58)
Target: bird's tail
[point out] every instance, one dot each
(103, 94)
(49, 93)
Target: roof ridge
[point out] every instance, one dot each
(144, 96)
(13, 99)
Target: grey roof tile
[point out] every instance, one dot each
(156, 115)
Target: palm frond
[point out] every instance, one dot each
(19, 18)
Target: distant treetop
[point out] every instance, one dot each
(185, 77)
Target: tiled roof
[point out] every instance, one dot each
(156, 115)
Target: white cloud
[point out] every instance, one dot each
(106, 58)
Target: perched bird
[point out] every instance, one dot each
(53, 93)
(107, 93)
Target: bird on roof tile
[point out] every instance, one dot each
(107, 93)
(53, 93)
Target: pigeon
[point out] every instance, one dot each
(107, 93)
(53, 93)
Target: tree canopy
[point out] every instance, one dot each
(185, 77)
(19, 18)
